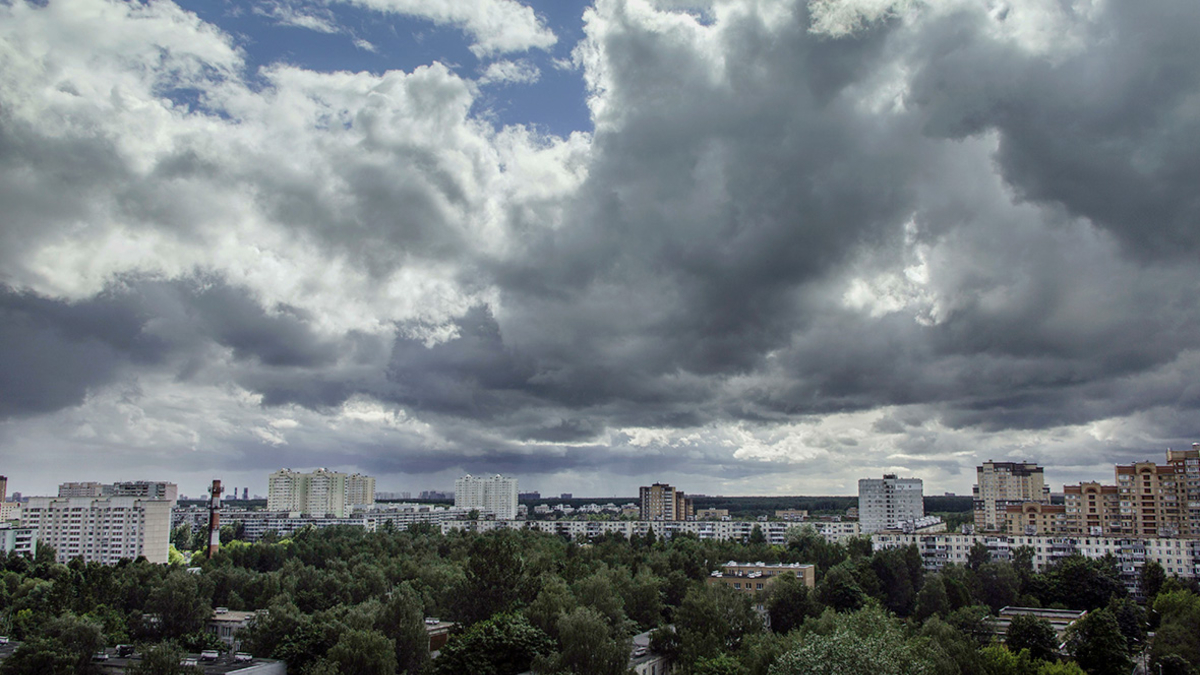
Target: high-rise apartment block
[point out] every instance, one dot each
(887, 503)
(319, 493)
(136, 488)
(1003, 484)
(1161, 500)
(496, 495)
(101, 529)
(663, 502)
(1093, 510)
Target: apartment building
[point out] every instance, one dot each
(1002, 484)
(886, 503)
(318, 493)
(1161, 500)
(101, 529)
(1036, 518)
(18, 540)
(145, 489)
(496, 495)
(776, 533)
(1092, 509)
(663, 502)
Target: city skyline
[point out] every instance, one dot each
(740, 247)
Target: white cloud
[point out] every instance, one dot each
(510, 72)
(290, 15)
(496, 26)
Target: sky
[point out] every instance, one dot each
(745, 247)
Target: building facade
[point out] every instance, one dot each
(145, 489)
(757, 576)
(496, 495)
(319, 493)
(1161, 500)
(887, 503)
(18, 540)
(1035, 518)
(1093, 509)
(1002, 484)
(104, 529)
(663, 502)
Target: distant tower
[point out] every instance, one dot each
(214, 519)
(245, 494)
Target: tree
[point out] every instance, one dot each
(718, 665)
(402, 620)
(788, 603)
(1132, 620)
(1179, 626)
(364, 652)
(495, 578)
(868, 642)
(932, 599)
(1097, 644)
(63, 646)
(505, 644)
(162, 659)
(978, 555)
(177, 607)
(996, 584)
(713, 619)
(1150, 581)
(807, 545)
(589, 646)
(840, 590)
(756, 535)
(1032, 633)
(1081, 583)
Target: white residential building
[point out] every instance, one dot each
(321, 492)
(103, 530)
(19, 540)
(886, 503)
(496, 495)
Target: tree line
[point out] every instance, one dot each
(344, 600)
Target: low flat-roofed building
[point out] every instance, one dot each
(226, 623)
(1060, 619)
(791, 514)
(712, 514)
(757, 576)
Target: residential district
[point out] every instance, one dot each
(1148, 516)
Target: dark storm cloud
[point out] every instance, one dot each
(52, 352)
(1111, 132)
(1018, 224)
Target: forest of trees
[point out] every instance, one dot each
(342, 600)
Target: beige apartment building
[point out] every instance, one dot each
(1161, 500)
(1003, 484)
(1035, 518)
(663, 502)
(1093, 509)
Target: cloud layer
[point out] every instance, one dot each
(804, 243)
